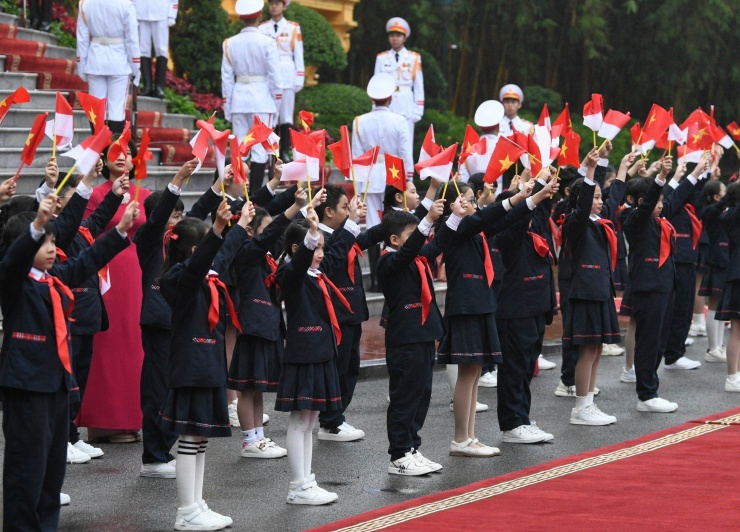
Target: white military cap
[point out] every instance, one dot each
(489, 114)
(511, 91)
(381, 86)
(399, 25)
(249, 8)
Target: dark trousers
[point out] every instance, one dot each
(410, 388)
(348, 367)
(157, 441)
(570, 354)
(82, 352)
(35, 428)
(521, 344)
(488, 368)
(683, 308)
(652, 312)
(40, 10)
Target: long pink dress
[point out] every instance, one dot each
(112, 396)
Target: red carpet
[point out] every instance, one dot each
(684, 478)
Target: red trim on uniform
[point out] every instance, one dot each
(29, 337)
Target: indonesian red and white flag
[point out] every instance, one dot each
(613, 123)
(62, 125)
(563, 120)
(479, 148)
(688, 155)
(20, 95)
(272, 142)
(364, 164)
(94, 109)
(545, 118)
(199, 142)
(143, 155)
(87, 153)
(439, 166)
(306, 151)
(676, 134)
(220, 143)
(319, 137)
(429, 148)
(593, 112)
(638, 146)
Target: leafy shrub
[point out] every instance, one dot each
(435, 84)
(11, 7)
(535, 97)
(333, 105)
(183, 104)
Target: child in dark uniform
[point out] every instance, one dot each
(729, 304)
(195, 407)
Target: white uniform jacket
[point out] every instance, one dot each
(291, 71)
(156, 10)
(408, 100)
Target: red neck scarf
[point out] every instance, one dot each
(426, 294)
(214, 283)
(60, 316)
(272, 277)
(666, 235)
(557, 237)
(103, 272)
(351, 258)
(696, 225)
(168, 235)
(323, 282)
(487, 264)
(540, 244)
(611, 238)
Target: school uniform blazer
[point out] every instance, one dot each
(29, 358)
(730, 220)
(197, 354)
(258, 315)
(68, 222)
(467, 287)
(684, 252)
(309, 337)
(719, 243)
(89, 315)
(155, 312)
(643, 233)
(401, 284)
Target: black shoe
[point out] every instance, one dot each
(34, 24)
(161, 77)
(45, 26)
(146, 75)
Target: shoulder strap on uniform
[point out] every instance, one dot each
(357, 128)
(226, 50)
(82, 10)
(417, 65)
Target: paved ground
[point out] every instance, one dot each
(108, 494)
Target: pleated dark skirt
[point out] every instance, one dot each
(729, 303)
(309, 387)
(590, 322)
(470, 339)
(255, 364)
(713, 281)
(621, 275)
(196, 411)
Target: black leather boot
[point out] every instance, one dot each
(256, 176)
(146, 75)
(286, 154)
(116, 126)
(161, 77)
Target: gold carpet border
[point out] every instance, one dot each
(542, 476)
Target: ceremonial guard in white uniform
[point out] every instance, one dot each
(249, 82)
(512, 97)
(108, 53)
(291, 71)
(155, 19)
(380, 127)
(405, 67)
(487, 118)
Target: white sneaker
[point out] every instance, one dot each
(525, 434)
(732, 383)
(264, 448)
(64, 499)
(158, 470)
(233, 416)
(408, 465)
(628, 375)
(224, 519)
(92, 452)
(656, 404)
(265, 419)
(698, 329)
(611, 350)
(75, 456)
(308, 492)
(598, 410)
(343, 432)
(543, 363)
(590, 415)
(684, 363)
(193, 517)
(424, 460)
(715, 355)
(689, 341)
(565, 391)
(547, 435)
(479, 407)
(488, 380)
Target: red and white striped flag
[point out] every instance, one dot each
(613, 123)
(593, 112)
(429, 148)
(364, 164)
(220, 143)
(87, 152)
(62, 125)
(439, 166)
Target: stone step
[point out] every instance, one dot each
(12, 155)
(26, 34)
(60, 52)
(10, 81)
(45, 100)
(7, 18)
(23, 117)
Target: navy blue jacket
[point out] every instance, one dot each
(719, 243)
(684, 252)
(730, 220)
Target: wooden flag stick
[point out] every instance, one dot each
(405, 205)
(557, 178)
(54, 146)
(246, 192)
(594, 132)
(367, 183)
(454, 183)
(136, 192)
(64, 181)
(308, 188)
(603, 144)
(354, 182)
(15, 177)
(444, 190)
(223, 195)
(670, 145)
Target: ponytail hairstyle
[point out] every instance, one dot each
(638, 188)
(575, 191)
(184, 236)
(476, 182)
(294, 234)
(710, 190)
(259, 215)
(450, 196)
(389, 198)
(732, 196)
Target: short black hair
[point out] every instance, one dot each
(568, 176)
(639, 189)
(732, 196)
(711, 189)
(334, 194)
(150, 203)
(633, 185)
(188, 233)
(476, 182)
(259, 215)
(19, 223)
(395, 222)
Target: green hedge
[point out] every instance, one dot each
(333, 105)
(321, 46)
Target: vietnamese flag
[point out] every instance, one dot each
(430, 148)
(272, 142)
(563, 120)
(237, 164)
(504, 155)
(306, 118)
(439, 166)
(699, 137)
(479, 148)
(545, 118)
(87, 153)
(519, 138)
(20, 95)
(734, 130)
(395, 174)
(94, 109)
(144, 155)
(257, 135)
(534, 154)
(656, 123)
(364, 164)
(120, 146)
(35, 136)
(569, 150)
(613, 123)
(593, 112)
(470, 138)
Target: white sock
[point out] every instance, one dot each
(308, 443)
(698, 319)
(187, 449)
(590, 398)
(250, 436)
(260, 433)
(294, 442)
(712, 337)
(581, 402)
(200, 466)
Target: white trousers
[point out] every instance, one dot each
(242, 123)
(286, 107)
(374, 207)
(154, 32)
(115, 89)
